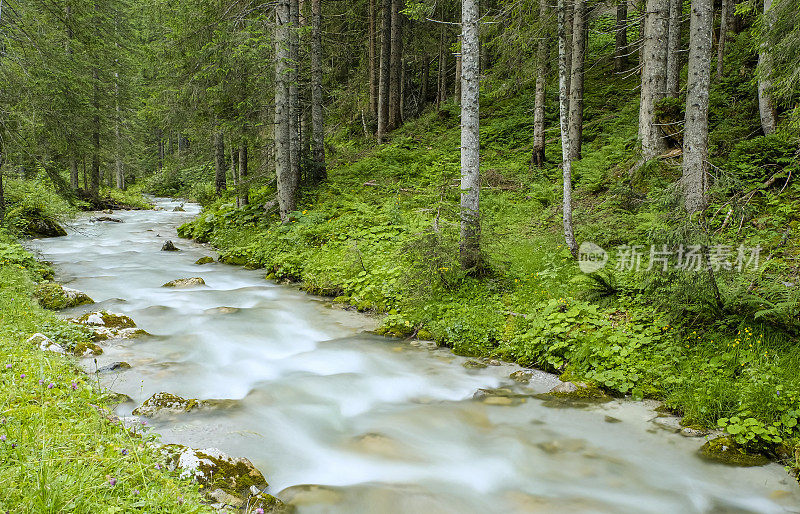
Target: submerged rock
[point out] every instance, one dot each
(108, 218)
(725, 450)
(221, 310)
(161, 404)
(55, 296)
(45, 344)
(169, 246)
(204, 260)
(522, 376)
(227, 481)
(500, 396)
(114, 367)
(473, 364)
(185, 282)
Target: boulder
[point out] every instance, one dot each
(104, 334)
(577, 390)
(87, 350)
(55, 296)
(45, 344)
(108, 218)
(204, 260)
(179, 208)
(185, 282)
(501, 396)
(105, 319)
(43, 226)
(168, 246)
(167, 404)
(114, 367)
(227, 481)
(522, 376)
(727, 451)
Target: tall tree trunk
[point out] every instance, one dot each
(674, 48)
(654, 78)
(383, 79)
(373, 72)
(543, 58)
(294, 95)
(119, 174)
(579, 33)
(234, 163)
(85, 176)
(766, 107)
(94, 188)
(395, 63)
(563, 95)
(470, 251)
(457, 84)
(441, 81)
(243, 196)
(695, 140)
(219, 163)
(317, 119)
(621, 33)
(287, 193)
(724, 24)
(641, 9)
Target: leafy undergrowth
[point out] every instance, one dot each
(58, 451)
(381, 234)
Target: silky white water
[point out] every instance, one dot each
(339, 420)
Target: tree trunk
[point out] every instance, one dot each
(543, 58)
(724, 23)
(673, 87)
(94, 187)
(243, 197)
(563, 95)
(579, 33)
(654, 79)
(373, 72)
(457, 84)
(766, 107)
(219, 163)
(234, 164)
(621, 32)
(287, 193)
(642, 10)
(441, 85)
(294, 96)
(695, 140)
(317, 119)
(395, 63)
(470, 251)
(119, 174)
(383, 80)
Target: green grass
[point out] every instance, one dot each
(58, 451)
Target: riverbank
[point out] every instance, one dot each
(381, 235)
(61, 449)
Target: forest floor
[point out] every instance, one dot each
(381, 234)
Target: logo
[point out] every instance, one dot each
(591, 257)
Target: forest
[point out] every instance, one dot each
(604, 191)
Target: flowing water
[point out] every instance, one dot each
(343, 421)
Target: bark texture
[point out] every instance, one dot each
(695, 140)
(579, 32)
(373, 71)
(543, 58)
(674, 48)
(621, 37)
(724, 24)
(219, 163)
(395, 65)
(317, 113)
(470, 155)
(383, 79)
(243, 193)
(653, 78)
(283, 169)
(563, 96)
(766, 107)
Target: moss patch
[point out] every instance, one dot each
(53, 296)
(726, 451)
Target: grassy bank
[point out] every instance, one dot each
(60, 450)
(381, 234)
